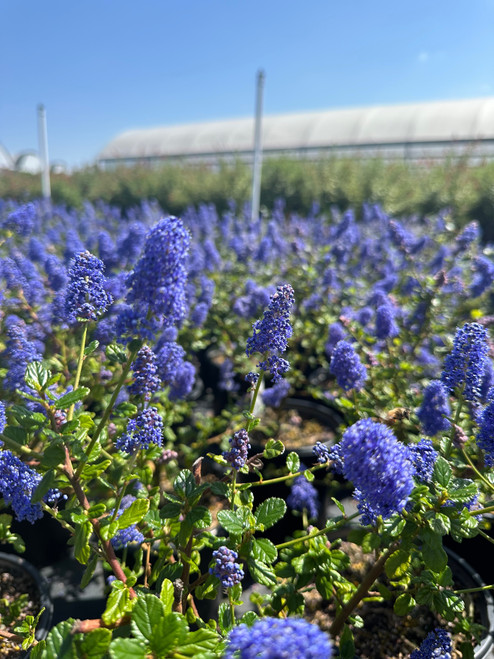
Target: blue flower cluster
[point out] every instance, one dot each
(436, 645)
(274, 396)
(423, 456)
(320, 452)
(130, 535)
(435, 407)
(379, 466)
(17, 484)
(225, 568)
(465, 365)
(22, 220)
(278, 638)
(272, 332)
(304, 497)
(19, 352)
(146, 381)
(142, 431)
(485, 435)
(157, 283)
(240, 445)
(85, 296)
(347, 368)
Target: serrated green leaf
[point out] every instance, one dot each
(462, 494)
(37, 375)
(95, 644)
(117, 605)
(264, 550)
(232, 522)
(432, 551)
(442, 472)
(72, 397)
(225, 621)
(133, 514)
(201, 640)
(261, 572)
(147, 616)
(440, 524)
(94, 470)
(127, 648)
(269, 512)
(82, 549)
(219, 489)
(167, 595)
(58, 643)
(292, 462)
(116, 353)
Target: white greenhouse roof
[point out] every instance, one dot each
(417, 123)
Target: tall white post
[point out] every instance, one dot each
(43, 152)
(257, 164)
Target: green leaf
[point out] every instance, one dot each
(264, 550)
(309, 476)
(89, 571)
(82, 549)
(54, 455)
(93, 471)
(432, 552)
(133, 514)
(269, 512)
(64, 402)
(16, 433)
(58, 643)
(170, 510)
(232, 522)
(95, 644)
(347, 645)
(397, 564)
(261, 572)
(219, 489)
(37, 376)
(91, 347)
(127, 648)
(202, 640)
(147, 616)
(118, 603)
(167, 595)
(440, 524)
(442, 472)
(404, 603)
(273, 448)
(464, 492)
(292, 462)
(116, 353)
(225, 621)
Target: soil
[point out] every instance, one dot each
(384, 634)
(13, 583)
(292, 428)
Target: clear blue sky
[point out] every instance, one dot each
(104, 66)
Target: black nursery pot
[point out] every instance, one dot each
(36, 586)
(465, 575)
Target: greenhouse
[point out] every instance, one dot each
(416, 131)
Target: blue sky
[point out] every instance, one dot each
(104, 66)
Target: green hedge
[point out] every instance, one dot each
(402, 188)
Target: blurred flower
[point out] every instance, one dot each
(347, 368)
(303, 496)
(465, 365)
(434, 408)
(277, 638)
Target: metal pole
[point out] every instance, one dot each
(257, 164)
(43, 152)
